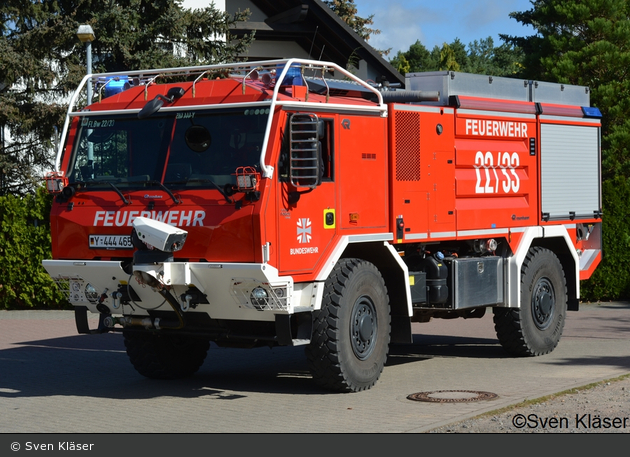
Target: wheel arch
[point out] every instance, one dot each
(555, 238)
(395, 274)
(559, 247)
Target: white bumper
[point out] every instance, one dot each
(227, 288)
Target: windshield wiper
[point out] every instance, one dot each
(165, 189)
(216, 186)
(127, 202)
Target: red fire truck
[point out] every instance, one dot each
(288, 203)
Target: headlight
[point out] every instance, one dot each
(90, 293)
(259, 298)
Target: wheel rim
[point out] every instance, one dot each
(543, 303)
(364, 327)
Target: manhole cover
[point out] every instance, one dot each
(452, 396)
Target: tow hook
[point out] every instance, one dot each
(186, 302)
(116, 296)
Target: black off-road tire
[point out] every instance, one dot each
(161, 356)
(536, 327)
(351, 332)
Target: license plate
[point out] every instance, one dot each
(110, 242)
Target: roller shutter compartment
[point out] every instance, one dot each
(570, 171)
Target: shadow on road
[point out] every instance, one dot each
(428, 346)
(98, 366)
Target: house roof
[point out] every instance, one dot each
(319, 31)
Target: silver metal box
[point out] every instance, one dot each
(561, 94)
(455, 83)
(449, 83)
(481, 278)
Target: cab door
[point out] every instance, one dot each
(307, 217)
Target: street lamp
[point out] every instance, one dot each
(86, 35)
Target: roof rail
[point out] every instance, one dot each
(283, 70)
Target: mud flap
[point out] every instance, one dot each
(284, 331)
(83, 326)
(573, 304)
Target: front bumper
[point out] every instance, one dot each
(223, 290)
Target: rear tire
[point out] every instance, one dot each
(536, 327)
(351, 332)
(160, 356)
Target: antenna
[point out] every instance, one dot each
(313, 42)
(322, 53)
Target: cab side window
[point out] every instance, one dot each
(325, 146)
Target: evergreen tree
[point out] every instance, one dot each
(347, 11)
(417, 58)
(42, 61)
(587, 42)
(455, 51)
(487, 59)
(480, 57)
(448, 61)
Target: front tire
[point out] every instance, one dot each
(165, 356)
(536, 327)
(351, 332)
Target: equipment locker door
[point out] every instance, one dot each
(362, 169)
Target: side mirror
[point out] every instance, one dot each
(154, 105)
(151, 108)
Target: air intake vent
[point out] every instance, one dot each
(407, 146)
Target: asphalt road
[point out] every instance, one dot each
(53, 380)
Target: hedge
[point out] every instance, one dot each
(611, 280)
(24, 243)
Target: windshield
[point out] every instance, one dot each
(178, 149)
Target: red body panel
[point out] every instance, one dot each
(496, 183)
(216, 230)
(449, 177)
(470, 173)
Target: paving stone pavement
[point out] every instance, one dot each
(53, 380)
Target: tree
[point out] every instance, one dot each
(587, 43)
(456, 52)
(42, 61)
(347, 11)
(480, 57)
(416, 58)
(448, 61)
(487, 59)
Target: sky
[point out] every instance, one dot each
(435, 22)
